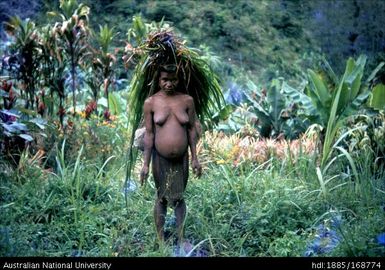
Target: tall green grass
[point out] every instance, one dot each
(268, 210)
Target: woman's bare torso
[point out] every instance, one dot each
(170, 116)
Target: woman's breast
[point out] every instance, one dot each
(171, 139)
(163, 116)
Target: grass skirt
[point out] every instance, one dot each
(170, 176)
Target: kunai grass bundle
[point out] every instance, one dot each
(196, 79)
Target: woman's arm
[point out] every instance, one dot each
(193, 137)
(148, 139)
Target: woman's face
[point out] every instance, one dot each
(168, 82)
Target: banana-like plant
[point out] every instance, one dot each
(274, 114)
(329, 101)
(377, 97)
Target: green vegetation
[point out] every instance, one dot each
(237, 209)
(293, 163)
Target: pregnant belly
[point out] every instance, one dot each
(171, 143)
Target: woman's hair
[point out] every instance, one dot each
(171, 68)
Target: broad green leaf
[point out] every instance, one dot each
(261, 114)
(313, 97)
(358, 101)
(114, 104)
(344, 98)
(374, 72)
(277, 103)
(319, 87)
(354, 76)
(333, 124)
(377, 100)
(299, 98)
(349, 67)
(321, 111)
(356, 85)
(258, 109)
(330, 71)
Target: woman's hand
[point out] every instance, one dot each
(197, 168)
(143, 175)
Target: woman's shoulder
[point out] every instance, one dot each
(186, 96)
(149, 101)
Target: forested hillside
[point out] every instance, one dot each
(287, 99)
(264, 39)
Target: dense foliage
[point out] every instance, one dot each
(293, 162)
(245, 34)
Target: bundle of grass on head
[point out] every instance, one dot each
(196, 78)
